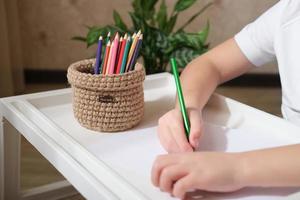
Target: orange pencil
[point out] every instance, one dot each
(107, 50)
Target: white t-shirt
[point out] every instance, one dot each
(276, 35)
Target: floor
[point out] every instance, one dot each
(37, 171)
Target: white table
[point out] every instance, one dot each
(104, 166)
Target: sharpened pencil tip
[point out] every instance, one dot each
(133, 36)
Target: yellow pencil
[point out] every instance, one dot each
(134, 42)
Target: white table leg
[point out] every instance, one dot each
(9, 161)
(1, 160)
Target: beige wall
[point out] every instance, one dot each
(6, 83)
(47, 26)
(11, 59)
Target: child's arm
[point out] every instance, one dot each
(224, 172)
(205, 73)
(199, 80)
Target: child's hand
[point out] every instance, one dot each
(171, 131)
(209, 171)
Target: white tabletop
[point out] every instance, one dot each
(117, 165)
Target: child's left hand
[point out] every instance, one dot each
(209, 171)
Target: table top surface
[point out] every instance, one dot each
(118, 165)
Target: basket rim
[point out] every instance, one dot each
(100, 82)
(74, 67)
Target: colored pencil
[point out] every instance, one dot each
(136, 53)
(181, 98)
(114, 54)
(104, 53)
(135, 39)
(98, 56)
(121, 54)
(109, 58)
(118, 54)
(108, 37)
(126, 50)
(107, 50)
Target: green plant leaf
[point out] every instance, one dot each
(95, 32)
(93, 35)
(149, 9)
(184, 56)
(118, 21)
(149, 4)
(144, 8)
(160, 41)
(138, 23)
(170, 25)
(204, 33)
(183, 39)
(79, 38)
(183, 4)
(159, 38)
(162, 15)
(137, 7)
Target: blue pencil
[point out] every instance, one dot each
(98, 56)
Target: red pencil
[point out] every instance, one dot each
(121, 54)
(118, 54)
(107, 49)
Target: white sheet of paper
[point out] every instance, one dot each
(131, 154)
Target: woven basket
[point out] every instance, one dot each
(107, 103)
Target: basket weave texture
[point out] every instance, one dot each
(106, 103)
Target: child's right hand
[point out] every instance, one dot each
(171, 131)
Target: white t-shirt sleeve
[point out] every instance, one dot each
(256, 40)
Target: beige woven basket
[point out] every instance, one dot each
(106, 102)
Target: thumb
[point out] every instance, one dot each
(196, 128)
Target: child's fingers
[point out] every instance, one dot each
(183, 185)
(172, 134)
(178, 133)
(196, 128)
(159, 164)
(166, 139)
(169, 175)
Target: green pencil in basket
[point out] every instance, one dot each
(180, 98)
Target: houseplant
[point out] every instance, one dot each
(160, 41)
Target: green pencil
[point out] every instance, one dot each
(124, 60)
(180, 97)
